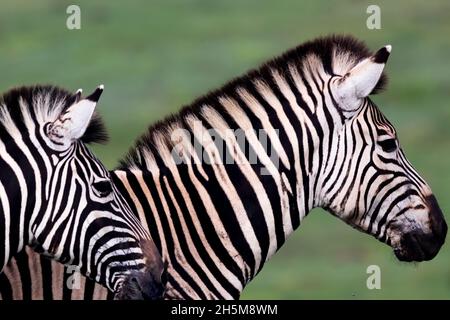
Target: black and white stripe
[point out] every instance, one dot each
(217, 224)
(56, 196)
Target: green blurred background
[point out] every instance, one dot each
(155, 56)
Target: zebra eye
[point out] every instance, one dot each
(103, 188)
(388, 145)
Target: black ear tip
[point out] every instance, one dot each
(382, 55)
(96, 94)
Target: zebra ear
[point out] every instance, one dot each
(359, 82)
(73, 122)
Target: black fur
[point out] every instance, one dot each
(321, 47)
(95, 133)
(95, 95)
(381, 56)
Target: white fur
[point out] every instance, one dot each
(358, 83)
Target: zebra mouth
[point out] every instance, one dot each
(417, 246)
(140, 285)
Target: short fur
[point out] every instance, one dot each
(324, 48)
(44, 103)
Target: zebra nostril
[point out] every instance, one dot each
(141, 285)
(134, 280)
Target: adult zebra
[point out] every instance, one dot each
(217, 223)
(57, 197)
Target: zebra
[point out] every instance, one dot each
(57, 198)
(216, 224)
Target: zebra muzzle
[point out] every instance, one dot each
(147, 284)
(141, 285)
(418, 245)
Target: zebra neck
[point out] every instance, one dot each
(17, 202)
(238, 213)
(227, 218)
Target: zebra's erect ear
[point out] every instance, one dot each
(73, 122)
(359, 82)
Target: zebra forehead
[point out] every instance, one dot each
(42, 104)
(383, 125)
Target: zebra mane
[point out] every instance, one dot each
(335, 54)
(43, 103)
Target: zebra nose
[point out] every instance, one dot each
(437, 220)
(417, 245)
(141, 285)
(148, 287)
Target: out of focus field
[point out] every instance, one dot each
(155, 56)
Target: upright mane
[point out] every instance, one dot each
(43, 103)
(335, 54)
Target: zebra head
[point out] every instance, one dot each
(57, 197)
(370, 184)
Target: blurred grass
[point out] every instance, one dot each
(155, 56)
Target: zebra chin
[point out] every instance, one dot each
(417, 245)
